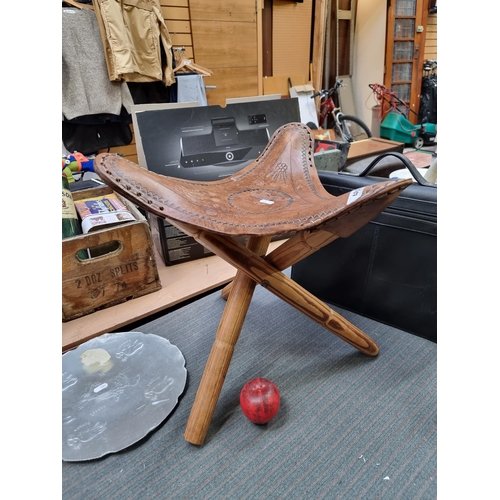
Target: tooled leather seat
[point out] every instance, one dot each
(277, 193)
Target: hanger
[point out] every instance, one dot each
(78, 5)
(188, 64)
(184, 63)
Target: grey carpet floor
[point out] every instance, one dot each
(349, 426)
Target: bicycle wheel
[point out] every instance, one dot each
(357, 128)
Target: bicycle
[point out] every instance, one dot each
(348, 128)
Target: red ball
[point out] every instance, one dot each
(260, 400)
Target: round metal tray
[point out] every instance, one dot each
(123, 387)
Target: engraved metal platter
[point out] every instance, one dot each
(116, 388)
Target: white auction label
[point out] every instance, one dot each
(354, 195)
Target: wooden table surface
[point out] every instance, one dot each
(180, 282)
(371, 147)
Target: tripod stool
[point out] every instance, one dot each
(277, 193)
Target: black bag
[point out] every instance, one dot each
(427, 112)
(387, 270)
(88, 139)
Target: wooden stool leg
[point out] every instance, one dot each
(227, 289)
(292, 251)
(222, 350)
(298, 297)
(263, 273)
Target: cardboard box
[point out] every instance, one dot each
(308, 112)
(281, 84)
(324, 134)
(122, 265)
(207, 143)
(203, 143)
(174, 246)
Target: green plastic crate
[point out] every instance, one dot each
(396, 127)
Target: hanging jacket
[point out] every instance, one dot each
(133, 33)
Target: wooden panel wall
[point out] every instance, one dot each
(225, 40)
(430, 51)
(292, 23)
(129, 151)
(178, 21)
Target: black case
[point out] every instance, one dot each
(387, 270)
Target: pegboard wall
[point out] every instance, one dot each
(292, 23)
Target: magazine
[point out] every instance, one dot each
(101, 212)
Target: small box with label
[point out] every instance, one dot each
(174, 245)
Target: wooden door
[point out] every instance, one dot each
(406, 29)
(227, 39)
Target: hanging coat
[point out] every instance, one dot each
(134, 33)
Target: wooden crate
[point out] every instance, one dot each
(122, 266)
